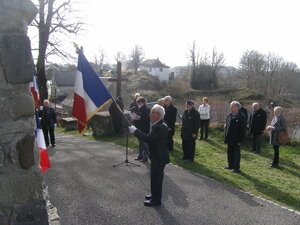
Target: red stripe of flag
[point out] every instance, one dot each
(79, 112)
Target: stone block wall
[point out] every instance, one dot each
(21, 200)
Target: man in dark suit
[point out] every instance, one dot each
(157, 140)
(244, 111)
(142, 122)
(48, 121)
(189, 130)
(257, 123)
(170, 118)
(235, 129)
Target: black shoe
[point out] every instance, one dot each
(151, 203)
(53, 145)
(148, 197)
(144, 160)
(234, 171)
(138, 158)
(227, 168)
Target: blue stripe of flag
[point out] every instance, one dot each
(92, 84)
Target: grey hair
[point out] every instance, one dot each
(137, 95)
(256, 104)
(160, 110)
(237, 104)
(46, 100)
(168, 97)
(278, 108)
(160, 100)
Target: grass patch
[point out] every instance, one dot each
(279, 185)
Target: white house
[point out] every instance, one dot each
(156, 68)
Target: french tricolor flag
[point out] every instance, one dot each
(90, 94)
(34, 91)
(39, 136)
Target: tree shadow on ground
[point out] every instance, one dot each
(272, 191)
(166, 216)
(217, 178)
(216, 145)
(172, 190)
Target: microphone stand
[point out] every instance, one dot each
(126, 161)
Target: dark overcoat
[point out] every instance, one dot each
(190, 124)
(235, 128)
(48, 116)
(143, 124)
(258, 121)
(170, 116)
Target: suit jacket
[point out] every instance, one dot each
(258, 121)
(48, 116)
(190, 124)
(143, 124)
(235, 128)
(157, 141)
(245, 112)
(170, 116)
(280, 125)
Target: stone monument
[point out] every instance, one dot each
(21, 200)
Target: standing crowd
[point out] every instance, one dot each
(155, 129)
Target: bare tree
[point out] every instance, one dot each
(54, 18)
(99, 61)
(120, 56)
(217, 59)
(137, 56)
(204, 67)
(251, 67)
(268, 74)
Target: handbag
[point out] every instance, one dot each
(283, 137)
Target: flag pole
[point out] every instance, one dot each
(121, 111)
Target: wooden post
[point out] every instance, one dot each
(119, 78)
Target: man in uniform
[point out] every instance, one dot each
(189, 130)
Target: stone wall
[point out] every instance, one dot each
(21, 200)
(102, 125)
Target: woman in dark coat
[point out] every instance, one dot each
(277, 125)
(117, 117)
(189, 130)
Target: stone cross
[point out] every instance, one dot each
(119, 79)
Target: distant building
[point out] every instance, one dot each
(62, 83)
(156, 68)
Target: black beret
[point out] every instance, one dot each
(190, 102)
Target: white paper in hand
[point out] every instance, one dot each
(133, 116)
(132, 129)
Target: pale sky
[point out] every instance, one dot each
(167, 28)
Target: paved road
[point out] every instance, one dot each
(87, 190)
